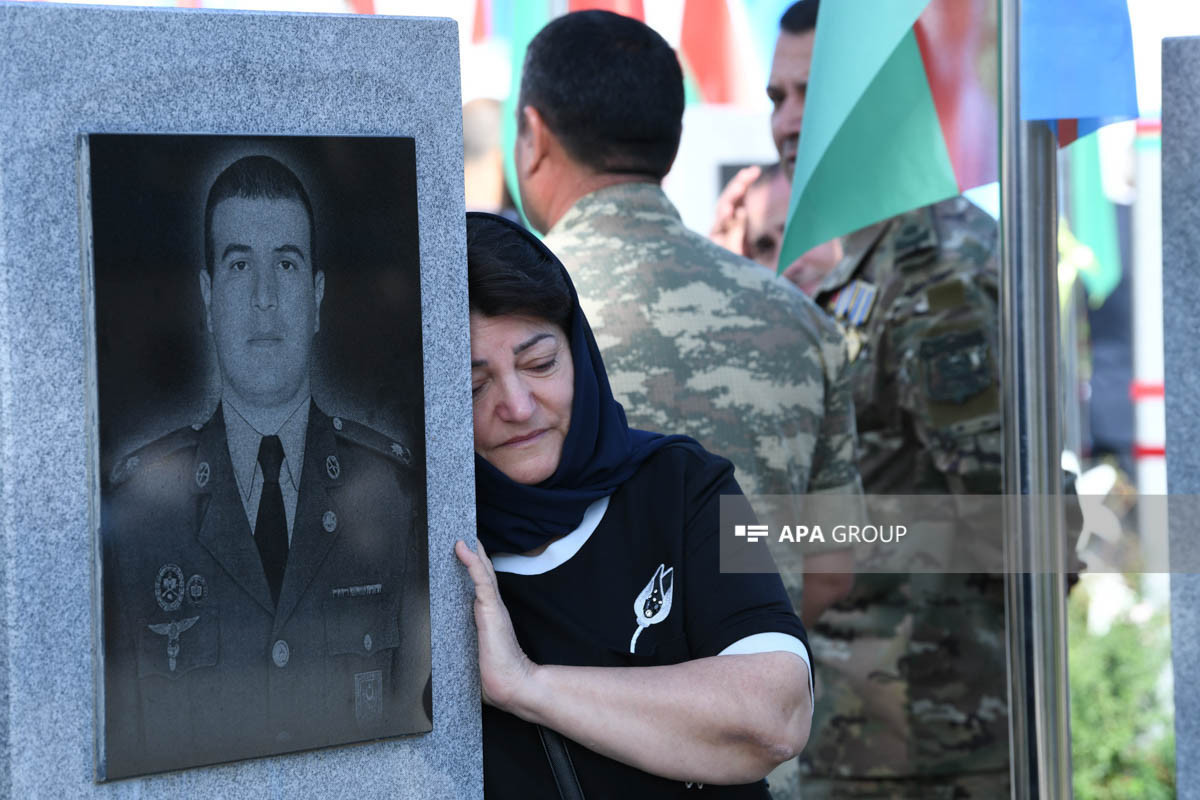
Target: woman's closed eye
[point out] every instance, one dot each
(544, 366)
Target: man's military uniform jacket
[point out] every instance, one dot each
(703, 342)
(911, 668)
(200, 666)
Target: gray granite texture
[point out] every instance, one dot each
(1181, 332)
(69, 70)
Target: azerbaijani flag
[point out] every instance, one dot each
(1077, 65)
(901, 107)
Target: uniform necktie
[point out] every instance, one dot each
(270, 530)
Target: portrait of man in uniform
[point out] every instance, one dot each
(264, 579)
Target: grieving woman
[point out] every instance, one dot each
(616, 660)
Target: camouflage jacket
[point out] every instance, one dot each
(702, 342)
(912, 667)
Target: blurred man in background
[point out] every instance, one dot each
(912, 694)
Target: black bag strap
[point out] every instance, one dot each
(560, 764)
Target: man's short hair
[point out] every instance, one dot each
(610, 88)
(254, 177)
(801, 17)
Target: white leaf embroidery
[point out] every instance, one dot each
(653, 604)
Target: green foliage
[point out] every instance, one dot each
(1122, 730)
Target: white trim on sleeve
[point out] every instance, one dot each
(773, 642)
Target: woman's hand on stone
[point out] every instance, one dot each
(503, 666)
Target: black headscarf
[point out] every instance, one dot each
(600, 451)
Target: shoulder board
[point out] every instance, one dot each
(128, 465)
(361, 435)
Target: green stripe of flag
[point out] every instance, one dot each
(872, 146)
(528, 17)
(1094, 220)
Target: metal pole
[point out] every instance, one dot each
(1035, 544)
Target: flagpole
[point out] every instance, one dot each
(1035, 556)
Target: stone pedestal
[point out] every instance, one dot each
(1181, 332)
(67, 71)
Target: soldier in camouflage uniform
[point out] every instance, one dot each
(695, 339)
(912, 694)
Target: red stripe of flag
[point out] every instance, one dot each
(1141, 451)
(709, 49)
(628, 8)
(956, 50)
(482, 24)
(1068, 131)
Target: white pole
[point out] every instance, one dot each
(1150, 427)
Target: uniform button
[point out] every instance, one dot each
(280, 653)
(367, 642)
(337, 423)
(329, 522)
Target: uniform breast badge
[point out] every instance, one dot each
(172, 630)
(168, 587)
(197, 589)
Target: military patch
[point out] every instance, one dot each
(855, 301)
(197, 589)
(168, 587)
(957, 366)
(401, 452)
(368, 697)
(172, 630)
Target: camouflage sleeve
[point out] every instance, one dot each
(945, 356)
(834, 461)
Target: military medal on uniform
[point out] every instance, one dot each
(169, 592)
(853, 305)
(855, 301)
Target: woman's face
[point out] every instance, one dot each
(522, 384)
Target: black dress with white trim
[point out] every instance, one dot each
(636, 584)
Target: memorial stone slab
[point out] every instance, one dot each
(1181, 332)
(69, 77)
